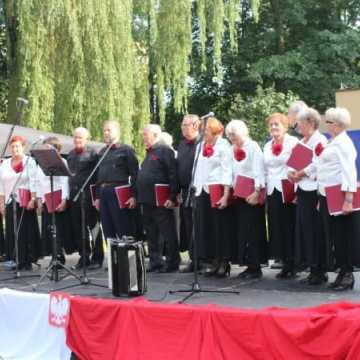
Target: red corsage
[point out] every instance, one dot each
(208, 150)
(239, 154)
(18, 168)
(153, 157)
(319, 149)
(276, 149)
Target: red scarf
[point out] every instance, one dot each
(239, 154)
(276, 149)
(18, 167)
(208, 150)
(319, 148)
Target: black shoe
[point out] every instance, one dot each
(252, 274)
(337, 281)
(286, 274)
(169, 268)
(347, 282)
(318, 278)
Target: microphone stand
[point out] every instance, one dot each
(190, 201)
(84, 280)
(16, 226)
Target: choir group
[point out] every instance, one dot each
(247, 204)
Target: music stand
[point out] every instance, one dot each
(52, 165)
(190, 201)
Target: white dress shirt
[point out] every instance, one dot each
(8, 178)
(275, 166)
(252, 165)
(43, 184)
(336, 164)
(309, 182)
(215, 169)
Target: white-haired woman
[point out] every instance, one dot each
(336, 166)
(281, 214)
(248, 161)
(310, 248)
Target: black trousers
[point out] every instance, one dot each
(214, 230)
(281, 222)
(28, 235)
(251, 240)
(310, 246)
(115, 221)
(159, 223)
(342, 235)
(93, 234)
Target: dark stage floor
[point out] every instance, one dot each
(253, 294)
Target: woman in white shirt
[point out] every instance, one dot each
(310, 247)
(281, 215)
(212, 229)
(61, 216)
(20, 169)
(248, 161)
(336, 166)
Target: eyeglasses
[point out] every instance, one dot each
(329, 122)
(187, 125)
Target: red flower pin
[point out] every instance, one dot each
(153, 157)
(208, 150)
(19, 167)
(276, 149)
(319, 149)
(239, 154)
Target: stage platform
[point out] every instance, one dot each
(255, 294)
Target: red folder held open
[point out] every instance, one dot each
(301, 156)
(24, 197)
(52, 200)
(288, 191)
(123, 194)
(162, 194)
(335, 198)
(216, 193)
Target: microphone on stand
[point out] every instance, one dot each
(210, 114)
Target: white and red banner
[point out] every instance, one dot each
(25, 330)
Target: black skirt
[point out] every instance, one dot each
(28, 235)
(342, 234)
(311, 248)
(251, 240)
(281, 221)
(214, 230)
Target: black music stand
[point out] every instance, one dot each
(190, 201)
(52, 165)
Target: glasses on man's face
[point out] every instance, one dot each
(329, 122)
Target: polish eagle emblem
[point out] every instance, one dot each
(59, 309)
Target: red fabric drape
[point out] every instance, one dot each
(140, 330)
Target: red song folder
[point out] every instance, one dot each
(162, 194)
(288, 191)
(262, 196)
(301, 156)
(93, 193)
(123, 194)
(244, 186)
(335, 198)
(52, 200)
(216, 193)
(24, 197)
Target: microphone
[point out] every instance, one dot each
(210, 114)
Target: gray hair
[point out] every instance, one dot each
(340, 116)
(85, 132)
(309, 115)
(237, 127)
(194, 118)
(296, 107)
(166, 139)
(154, 128)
